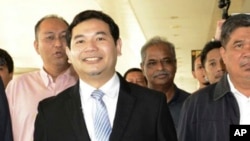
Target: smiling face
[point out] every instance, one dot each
(236, 54)
(159, 66)
(93, 51)
(50, 43)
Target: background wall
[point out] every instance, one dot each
(188, 24)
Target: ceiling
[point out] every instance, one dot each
(188, 24)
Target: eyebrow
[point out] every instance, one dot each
(167, 57)
(63, 32)
(101, 32)
(237, 41)
(78, 36)
(97, 33)
(152, 60)
(50, 32)
(212, 60)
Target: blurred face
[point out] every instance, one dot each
(93, 51)
(159, 66)
(137, 78)
(5, 75)
(198, 72)
(236, 54)
(214, 67)
(51, 42)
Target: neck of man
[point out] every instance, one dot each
(241, 84)
(167, 89)
(203, 85)
(55, 71)
(97, 80)
(243, 88)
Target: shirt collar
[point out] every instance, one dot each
(47, 78)
(233, 89)
(106, 88)
(221, 88)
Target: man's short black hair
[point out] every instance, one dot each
(6, 59)
(207, 48)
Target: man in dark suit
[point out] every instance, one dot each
(129, 112)
(5, 123)
(207, 115)
(159, 65)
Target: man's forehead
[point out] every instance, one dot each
(52, 25)
(158, 55)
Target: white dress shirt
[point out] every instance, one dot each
(111, 91)
(243, 103)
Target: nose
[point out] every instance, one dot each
(59, 42)
(90, 46)
(160, 65)
(248, 45)
(246, 51)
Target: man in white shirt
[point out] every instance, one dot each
(135, 113)
(208, 113)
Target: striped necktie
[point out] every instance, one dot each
(102, 125)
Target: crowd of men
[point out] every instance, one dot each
(79, 95)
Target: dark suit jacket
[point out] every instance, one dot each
(5, 122)
(208, 113)
(141, 115)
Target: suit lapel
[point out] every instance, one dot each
(124, 110)
(75, 114)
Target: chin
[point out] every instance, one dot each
(95, 73)
(161, 82)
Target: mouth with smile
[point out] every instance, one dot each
(92, 59)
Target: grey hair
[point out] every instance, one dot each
(231, 24)
(156, 41)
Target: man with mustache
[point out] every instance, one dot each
(27, 90)
(208, 113)
(159, 66)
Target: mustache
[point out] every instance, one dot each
(245, 61)
(162, 72)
